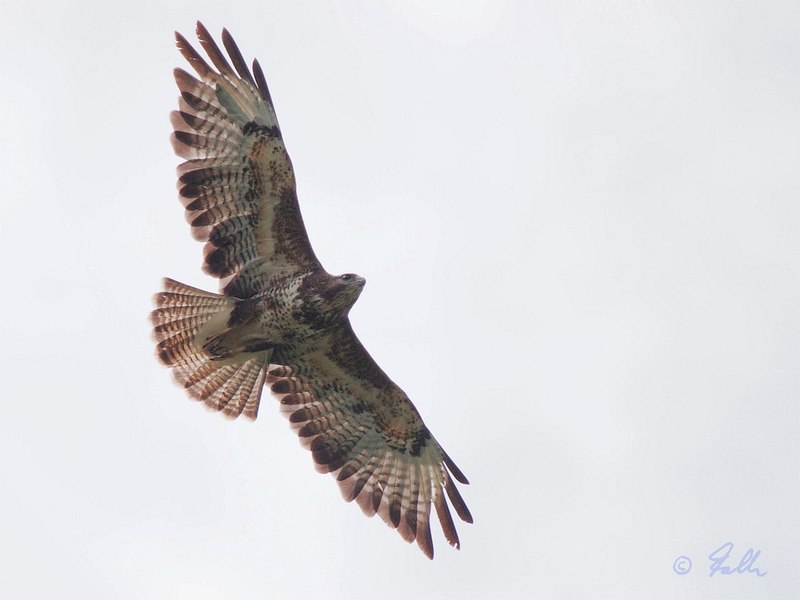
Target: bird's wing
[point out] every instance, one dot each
(364, 430)
(237, 183)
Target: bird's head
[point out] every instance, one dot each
(327, 299)
(344, 290)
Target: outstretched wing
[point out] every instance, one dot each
(237, 183)
(364, 430)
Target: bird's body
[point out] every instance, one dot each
(291, 309)
(280, 318)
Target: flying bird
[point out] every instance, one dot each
(280, 319)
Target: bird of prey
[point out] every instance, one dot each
(281, 320)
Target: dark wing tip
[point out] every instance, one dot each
(454, 469)
(201, 30)
(446, 521)
(457, 501)
(236, 57)
(181, 42)
(191, 55)
(424, 539)
(214, 53)
(261, 82)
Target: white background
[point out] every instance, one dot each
(579, 224)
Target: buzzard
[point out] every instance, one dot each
(281, 319)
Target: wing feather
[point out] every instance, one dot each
(261, 82)
(446, 519)
(237, 58)
(213, 51)
(197, 62)
(364, 430)
(237, 184)
(424, 538)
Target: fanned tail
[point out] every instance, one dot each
(232, 387)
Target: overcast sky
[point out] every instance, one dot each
(580, 226)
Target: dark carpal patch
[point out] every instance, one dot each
(265, 130)
(419, 440)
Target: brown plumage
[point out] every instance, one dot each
(280, 318)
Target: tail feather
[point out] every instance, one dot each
(181, 311)
(234, 388)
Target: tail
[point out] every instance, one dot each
(230, 387)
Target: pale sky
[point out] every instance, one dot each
(580, 227)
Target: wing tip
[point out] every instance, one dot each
(200, 29)
(457, 501)
(460, 477)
